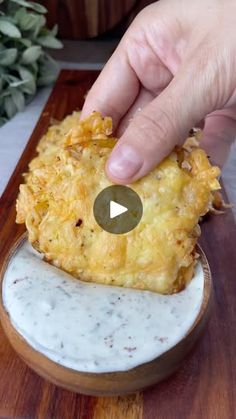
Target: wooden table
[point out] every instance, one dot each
(205, 386)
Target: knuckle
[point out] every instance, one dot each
(158, 127)
(214, 81)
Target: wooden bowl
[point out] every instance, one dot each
(112, 383)
(79, 19)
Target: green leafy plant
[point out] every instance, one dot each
(24, 64)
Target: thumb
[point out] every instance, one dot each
(162, 124)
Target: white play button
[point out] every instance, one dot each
(116, 209)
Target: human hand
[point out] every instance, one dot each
(174, 67)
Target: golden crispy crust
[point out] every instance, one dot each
(57, 199)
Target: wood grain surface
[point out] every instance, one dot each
(204, 387)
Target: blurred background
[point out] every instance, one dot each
(86, 19)
(90, 29)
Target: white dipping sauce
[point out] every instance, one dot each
(90, 327)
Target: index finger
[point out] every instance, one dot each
(115, 89)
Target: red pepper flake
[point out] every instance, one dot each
(161, 339)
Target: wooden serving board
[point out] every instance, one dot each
(205, 386)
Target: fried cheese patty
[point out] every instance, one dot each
(56, 205)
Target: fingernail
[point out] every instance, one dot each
(124, 162)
